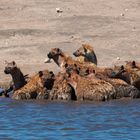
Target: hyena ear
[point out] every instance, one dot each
(66, 65)
(69, 75)
(134, 64)
(52, 74)
(58, 50)
(87, 71)
(85, 50)
(14, 63)
(122, 67)
(40, 73)
(75, 65)
(83, 45)
(93, 71)
(78, 70)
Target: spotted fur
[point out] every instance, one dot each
(91, 89)
(61, 89)
(37, 87)
(129, 74)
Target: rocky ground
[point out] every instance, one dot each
(29, 28)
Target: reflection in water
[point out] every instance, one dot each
(69, 121)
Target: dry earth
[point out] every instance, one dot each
(29, 28)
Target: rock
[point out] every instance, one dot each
(118, 58)
(126, 10)
(134, 27)
(122, 14)
(58, 10)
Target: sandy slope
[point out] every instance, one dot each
(29, 28)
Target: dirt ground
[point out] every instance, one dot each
(29, 28)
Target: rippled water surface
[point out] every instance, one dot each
(43, 120)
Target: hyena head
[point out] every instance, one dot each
(130, 64)
(10, 67)
(121, 73)
(87, 52)
(55, 53)
(46, 79)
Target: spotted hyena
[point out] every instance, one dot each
(61, 89)
(90, 89)
(37, 87)
(18, 79)
(121, 81)
(85, 70)
(129, 74)
(132, 64)
(61, 59)
(120, 88)
(87, 52)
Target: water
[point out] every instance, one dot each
(42, 120)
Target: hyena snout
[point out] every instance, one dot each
(50, 55)
(76, 53)
(7, 70)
